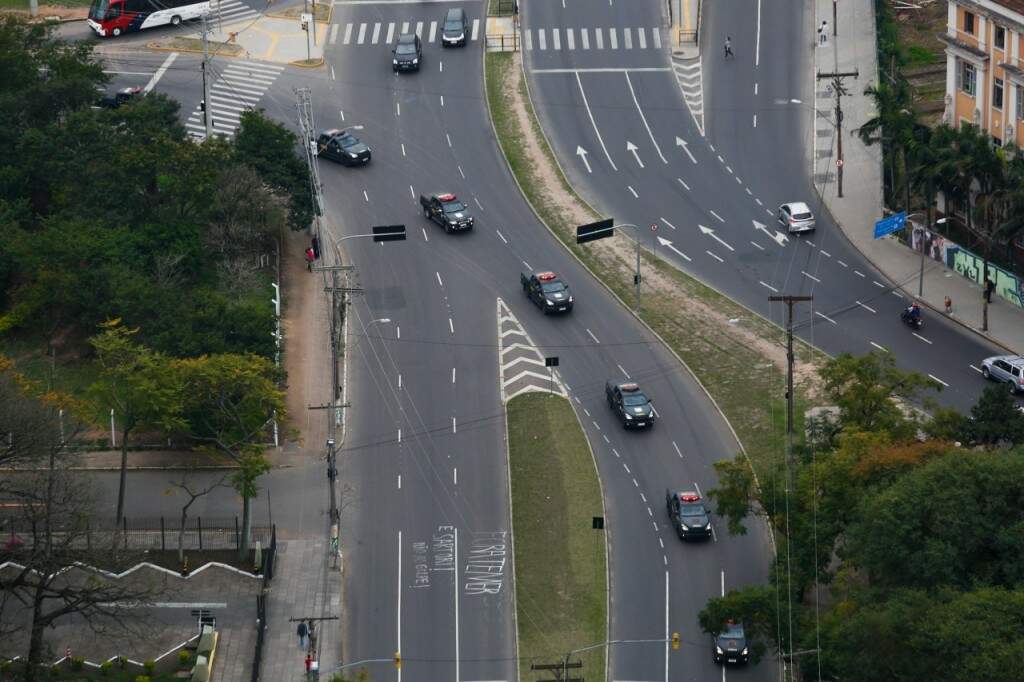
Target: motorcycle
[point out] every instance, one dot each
(912, 322)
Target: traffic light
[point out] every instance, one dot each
(675, 641)
(398, 660)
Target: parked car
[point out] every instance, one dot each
(1008, 368)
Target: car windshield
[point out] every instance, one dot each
(802, 216)
(98, 9)
(634, 399)
(405, 48)
(552, 287)
(453, 25)
(691, 510)
(452, 206)
(346, 140)
(733, 633)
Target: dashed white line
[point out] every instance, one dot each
(859, 273)
(461, 173)
(632, 191)
(643, 497)
(455, 475)
(810, 276)
(717, 258)
(637, 485)
(399, 481)
(527, 265)
(683, 183)
(439, 282)
(720, 218)
(696, 486)
(596, 425)
(719, 157)
(922, 338)
(757, 245)
(399, 380)
(758, 201)
(878, 284)
(501, 236)
(449, 138)
(399, 435)
(622, 370)
(976, 369)
(650, 513)
(586, 411)
(826, 317)
(454, 428)
(826, 253)
(398, 332)
(728, 168)
(442, 100)
(768, 286)
(932, 376)
(667, 223)
(747, 190)
(605, 438)
(366, 196)
(626, 467)
(678, 451)
(412, 192)
(478, 204)
(451, 325)
(453, 375)
(615, 452)
(661, 543)
(866, 307)
(881, 348)
(398, 108)
(403, 151)
(592, 336)
(842, 263)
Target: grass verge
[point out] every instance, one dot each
(560, 559)
(737, 355)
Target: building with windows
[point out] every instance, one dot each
(984, 71)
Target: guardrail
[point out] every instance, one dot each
(502, 42)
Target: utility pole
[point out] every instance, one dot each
(789, 301)
(304, 106)
(840, 90)
(207, 119)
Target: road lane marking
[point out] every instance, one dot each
(807, 274)
(878, 284)
(683, 183)
(859, 273)
(622, 370)
(433, 31)
(376, 33)
(842, 263)
(451, 325)
(825, 253)
(718, 217)
(453, 375)
(922, 338)
(592, 336)
(866, 307)
(593, 123)
(626, 467)
(717, 258)
(501, 236)
(455, 428)
(826, 317)
(976, 369)
(881, 348)
(667, 223)
(399, 475)
(768, 286)
(644, 118)
(425, 237)
(348, 35)
(632, 191)
(678, 451)
(757, 245)
(932, 376)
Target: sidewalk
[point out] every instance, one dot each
(861, 205)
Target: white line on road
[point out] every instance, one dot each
(826, 253)
(667, 223)
(399, 435)
(403, 149)
(451, 325)
(842, 263)
(807, 274)
(881, 348)
(596, 425)
(633, 191)
(398, 646)
(455, 475)
(160, 72)
(501, 236)
(449, 138)
(644, 118)
(650, 513)
(453, 375)
(527, 265)
(442, 100)
(478, 204)
(665, 560)
(455, 428)
(615, 452)
(461, 173)
(591, 334)
(643, 497)
(399, 381)
(637, 486)
(932, 376)
(398, 108)
(922, 338)
(683, 183)
(720, 218)
(768, 286)
(866, 307)
(859, 273)
(425, 237)
(399, 481)
(622, 370)
(661, 543)
(696, 486)
(723, 583)
(878, 284)
(398, 332)
(626, 467)
(826, 317)
(678, 451)
(976, 369)
(594, 123)
(757, 245)
(412, 192)
(366, 196)
(717, 258)
(605, 438)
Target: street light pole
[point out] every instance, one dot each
(636, 275)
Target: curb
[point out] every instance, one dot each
(316, 63)
(157, 47)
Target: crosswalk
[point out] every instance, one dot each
(239, 88)
(688, 75)
(231, 11)
(601, 38)
(373, 33)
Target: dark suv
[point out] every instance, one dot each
(453, 32)
(407, 53)
(343, 147)
(730, 645)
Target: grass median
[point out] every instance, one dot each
(736, 354)
(561, 590)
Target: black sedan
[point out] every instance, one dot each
(730, 645)
(407, 53)
(343, 147)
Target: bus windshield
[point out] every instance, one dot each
(98, 9)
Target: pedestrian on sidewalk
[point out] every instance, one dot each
(823, 33)
(728, 47)
(311, 626)
(316, 247)
(949, 305)
(309, 663)
(310, 257)
(990, 286)
(303, 632)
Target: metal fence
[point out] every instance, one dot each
(504, 7)
(502, 42)
(144, 534)
(261, 604)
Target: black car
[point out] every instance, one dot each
(446, 210)
(630, 404)
(730, 645)
(343, 147)
(688, 514)
(407, 53)
(548, 291)
(118, 98)
(453, 32)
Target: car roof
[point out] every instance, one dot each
(1012, 359)
(332, 132)
(798, 207)
(454, 13)
(732, 627)
(407, 38)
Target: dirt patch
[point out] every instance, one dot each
(51, 12)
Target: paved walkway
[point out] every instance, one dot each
(861, 205)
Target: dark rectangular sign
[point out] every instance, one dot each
(389, 233)
(551, 362)
(599, 230)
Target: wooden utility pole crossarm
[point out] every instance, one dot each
(839, 89)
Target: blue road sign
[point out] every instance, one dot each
(893, 223)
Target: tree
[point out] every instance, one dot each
(866, 389)
(143, 387)
(995, 419)
(755, 607)
(193, 490)
(231, 400)
(736, 493)
(270, 148)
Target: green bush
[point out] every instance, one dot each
(106, 667)
(184, 658)
(77, 662)
(149, 667)
(142, 678)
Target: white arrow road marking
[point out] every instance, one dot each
(680, 142)
(582, 153)
(630, 147)
(665, 242)
(644, 118)
(780, 238)
(763, 228)
(708, 231)
(593, 122)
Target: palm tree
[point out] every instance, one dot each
(893, 124)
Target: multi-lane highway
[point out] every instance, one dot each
(708, 148)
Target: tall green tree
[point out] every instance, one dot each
(231, 400)
(143, 388)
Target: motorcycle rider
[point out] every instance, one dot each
(913, 313)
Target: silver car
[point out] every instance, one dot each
(796, 217)
(1008, 368)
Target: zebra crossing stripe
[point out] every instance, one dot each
(555, 40)
(476, 29)
(613, 38)
(334, 33)
(405, 27)
(391, 32)
(362, 34)
(570, 41)
(348, 35)
(585, 38)
(528, 39)
(656, 35)
(599, 38)
(627, 38)
(376, 33)
(433, 30)
(419, 29)
(541, 42)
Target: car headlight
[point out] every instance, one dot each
(629, 417)
(718, 650)
(548, 301)
(394, 62)
(570, 299)
(682, 524)
(707, 526)
(353, 155)
(745, 651)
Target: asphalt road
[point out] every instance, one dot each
(711, 176)
(426, 508)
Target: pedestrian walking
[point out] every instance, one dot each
(311, 626)
(990, 286)
(949, 305)
(303, 632)
(309, 663)
(316, 248)
(310, 257)
(823, 33)
(728, 47)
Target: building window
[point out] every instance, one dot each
(997, 93)
(999, 37)
(1019, 93)
(968, 78)
(969, 22)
